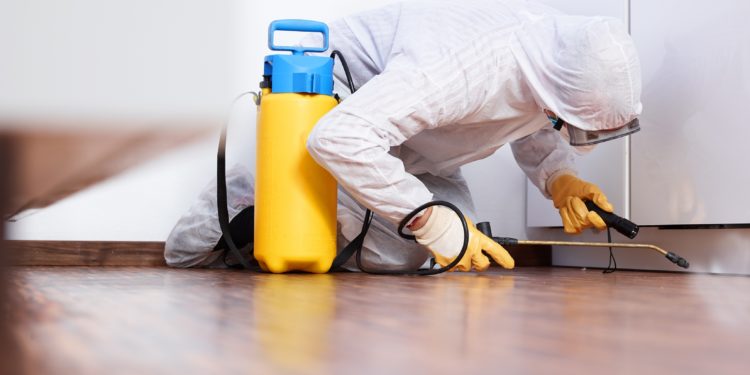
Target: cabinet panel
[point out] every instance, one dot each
(689, 161)
(607, 164)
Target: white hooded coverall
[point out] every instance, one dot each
(442, 84)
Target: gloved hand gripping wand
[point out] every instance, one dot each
(622, 225)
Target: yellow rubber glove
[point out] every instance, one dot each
(568, 193)
(443, 235)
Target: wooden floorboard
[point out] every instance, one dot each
(82, 320)
(123, 253)
(9, 354)
(86, 253)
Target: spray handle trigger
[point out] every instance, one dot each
(301, 26)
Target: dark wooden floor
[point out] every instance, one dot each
(534, 320)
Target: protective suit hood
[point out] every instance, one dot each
(585, 69)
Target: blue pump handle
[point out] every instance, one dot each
(298, 25)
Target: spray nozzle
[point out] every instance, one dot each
(678, 260)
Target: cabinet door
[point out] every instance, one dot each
(688, 162)
(607, 164)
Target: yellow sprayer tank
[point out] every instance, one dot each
(295, 198)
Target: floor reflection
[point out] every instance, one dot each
(293, 315)
(149, 320)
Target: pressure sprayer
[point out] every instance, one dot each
(292, 190)
(296, 199)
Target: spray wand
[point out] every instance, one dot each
(624, 226)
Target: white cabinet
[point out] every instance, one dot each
(689, 163)
(607, 164)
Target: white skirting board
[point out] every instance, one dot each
(721, 251)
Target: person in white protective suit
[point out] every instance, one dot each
(442, 84)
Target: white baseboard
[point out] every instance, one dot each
(721, 251)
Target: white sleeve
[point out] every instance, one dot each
(353, 140)
(543, 155)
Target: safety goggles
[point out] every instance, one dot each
(580, 137)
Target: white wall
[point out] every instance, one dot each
(96, 63)
(115, 60)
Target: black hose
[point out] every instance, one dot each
(349, 81)
(401, 233)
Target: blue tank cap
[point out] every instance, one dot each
(299, 73)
